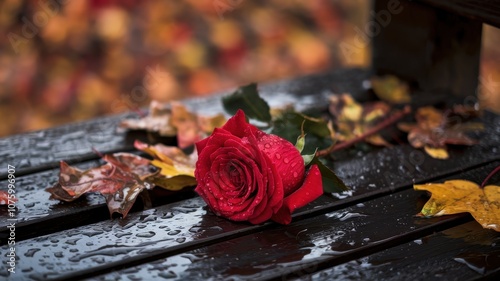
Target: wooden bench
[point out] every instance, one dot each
(371, 234)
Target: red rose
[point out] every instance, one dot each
(244, 174)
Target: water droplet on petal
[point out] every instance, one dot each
(267, 145)
(278, 156)
(295, 174)
(286, 160)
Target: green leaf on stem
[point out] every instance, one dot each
(311, 125)
(247, 99)
(331, 182)
(289, 125)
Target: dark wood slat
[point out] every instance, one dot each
(73, 143)
(465, 252)
(305, 246)
(487, 11)
(179, 227)
(34, 202)
(43, 150)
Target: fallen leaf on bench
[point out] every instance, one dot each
(176, 168)
(352, 119)
(174, 119)
(435, 129)
(157, 121)
(192, 127)
(461, 196)
(390, 89)
(4, 198)
(120, 180)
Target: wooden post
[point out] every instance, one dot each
(437, 51)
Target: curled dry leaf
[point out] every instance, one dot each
(120, 180)
(158, 120)
(176, 168)
(435, 129)
(186, 124)
(192, 127)
(174, 119)
(351, 119)
(461, 196)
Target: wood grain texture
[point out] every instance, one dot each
(464, 252)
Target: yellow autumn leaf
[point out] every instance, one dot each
(175, 180)
(461, 196)
(436, 152)
(176, 168)
(390, 89)
(208, 123)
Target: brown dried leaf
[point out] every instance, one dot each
(120, 181)
(174, 119)
(158, 120)
(434, 130)
(186, 123)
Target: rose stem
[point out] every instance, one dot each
(97, 152)
(497, 169)
(387, 122)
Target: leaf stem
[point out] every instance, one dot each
(496, 170)
(382, 125)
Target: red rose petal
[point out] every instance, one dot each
(238, 124)
(287, 159)
(311, 189)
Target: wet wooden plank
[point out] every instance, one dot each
(185, 228)
(42, 150)
(305, 246)
(73, 143)
(464, 252)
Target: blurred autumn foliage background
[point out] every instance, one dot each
(63, 61)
